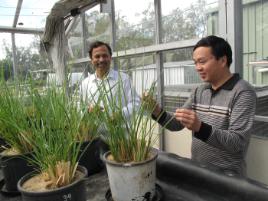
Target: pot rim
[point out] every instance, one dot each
(154, 151)
(15, 155)
(4, 158)
(48, 192)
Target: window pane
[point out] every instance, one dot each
(33, 13)
(5, 63)
(7, 10)
(135, 23)
(28, 57)
(188, 19)
(255, 51)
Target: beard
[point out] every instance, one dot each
(102, 65)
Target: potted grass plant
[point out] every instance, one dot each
(91, 143)
(57, 175)
(131, 161)
(15, 132)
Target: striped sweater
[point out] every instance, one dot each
(227, 116)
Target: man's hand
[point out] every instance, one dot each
(95, 108)
(151, 104)
(188, 119)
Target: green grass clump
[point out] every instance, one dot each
(15, 127)
(55, 135)
(50, 124)
(129, 134)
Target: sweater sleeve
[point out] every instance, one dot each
(168, 121)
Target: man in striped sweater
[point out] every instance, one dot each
(219, 112)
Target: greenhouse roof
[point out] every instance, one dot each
(29, 16)
(24, 16)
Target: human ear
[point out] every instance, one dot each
(223, 60)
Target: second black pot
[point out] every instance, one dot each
(14, 167)
(90, 155)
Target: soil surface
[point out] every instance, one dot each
(40, 183)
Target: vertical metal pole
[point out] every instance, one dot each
(235, 34)
(14, 56)
(230, 28)
(15, 21)
(83, 18)
(113, 30)
(223, 18)
(84, 42)
(108, 7)
(159, 65)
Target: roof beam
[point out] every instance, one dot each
(7, 29)
(149, 49)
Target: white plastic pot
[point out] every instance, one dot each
(132, 181)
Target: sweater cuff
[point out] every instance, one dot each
(161, 117)
(204, 132)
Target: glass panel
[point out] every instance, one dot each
(28, 57)
(260, 129)
(7, 11)
(98, 26)
(255, 39)
(5, 64)
(179, 68)
(180, 77)
(5, 41)
(255, 51)
(33, 13)
(141, 69)
(75, 40)
(135, 23)
(188, 19)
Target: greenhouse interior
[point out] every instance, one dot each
(108, 103)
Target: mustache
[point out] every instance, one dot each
(102, 63)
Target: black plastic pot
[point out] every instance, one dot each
(74, 191)
(2, 144)
(14, 167)
(90, 155)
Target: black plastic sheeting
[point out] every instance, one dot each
(181, 179)
(185, 180)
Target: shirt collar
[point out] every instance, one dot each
(228, 85)
(111, 75)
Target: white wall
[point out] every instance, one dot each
(257, 159)
(179, 142)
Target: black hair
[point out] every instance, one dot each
(96, 44)
(219, 47)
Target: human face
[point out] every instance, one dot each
(209, 68)
(101, 60)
